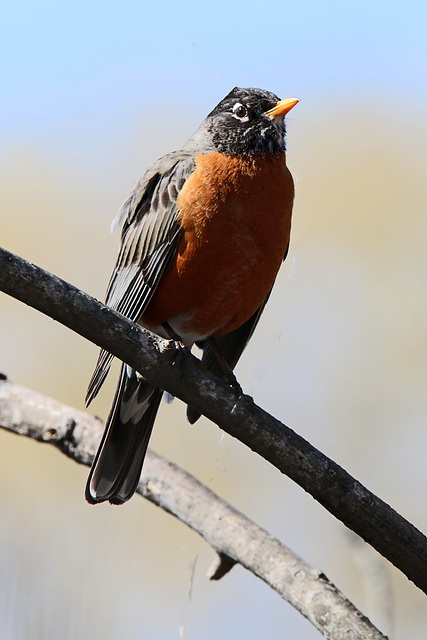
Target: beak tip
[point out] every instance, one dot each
(282, 108)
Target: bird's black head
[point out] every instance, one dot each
(247, 121)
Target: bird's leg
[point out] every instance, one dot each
(228, 371)
(181, 348)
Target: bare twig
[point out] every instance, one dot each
(359, 509)
(235, 538)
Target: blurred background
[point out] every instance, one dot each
(92, 93)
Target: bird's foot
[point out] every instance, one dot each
(229, 376)
(181, 351)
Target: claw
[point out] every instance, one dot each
(231, 380)
(181, 350)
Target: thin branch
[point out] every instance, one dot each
(341, 494)
(235, 538)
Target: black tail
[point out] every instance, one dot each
(116, 469)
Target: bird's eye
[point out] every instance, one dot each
(239, 110)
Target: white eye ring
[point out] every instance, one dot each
(240, 112)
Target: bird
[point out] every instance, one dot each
(203, 235)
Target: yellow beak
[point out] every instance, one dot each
(281, 108)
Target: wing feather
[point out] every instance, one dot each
(149, 238)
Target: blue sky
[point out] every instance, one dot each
(64, 61)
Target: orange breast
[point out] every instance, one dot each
(236, 220)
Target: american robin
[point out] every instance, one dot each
(203, 234)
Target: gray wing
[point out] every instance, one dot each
(149, 238)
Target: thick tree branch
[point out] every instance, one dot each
(235, 538)
(359, 509)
